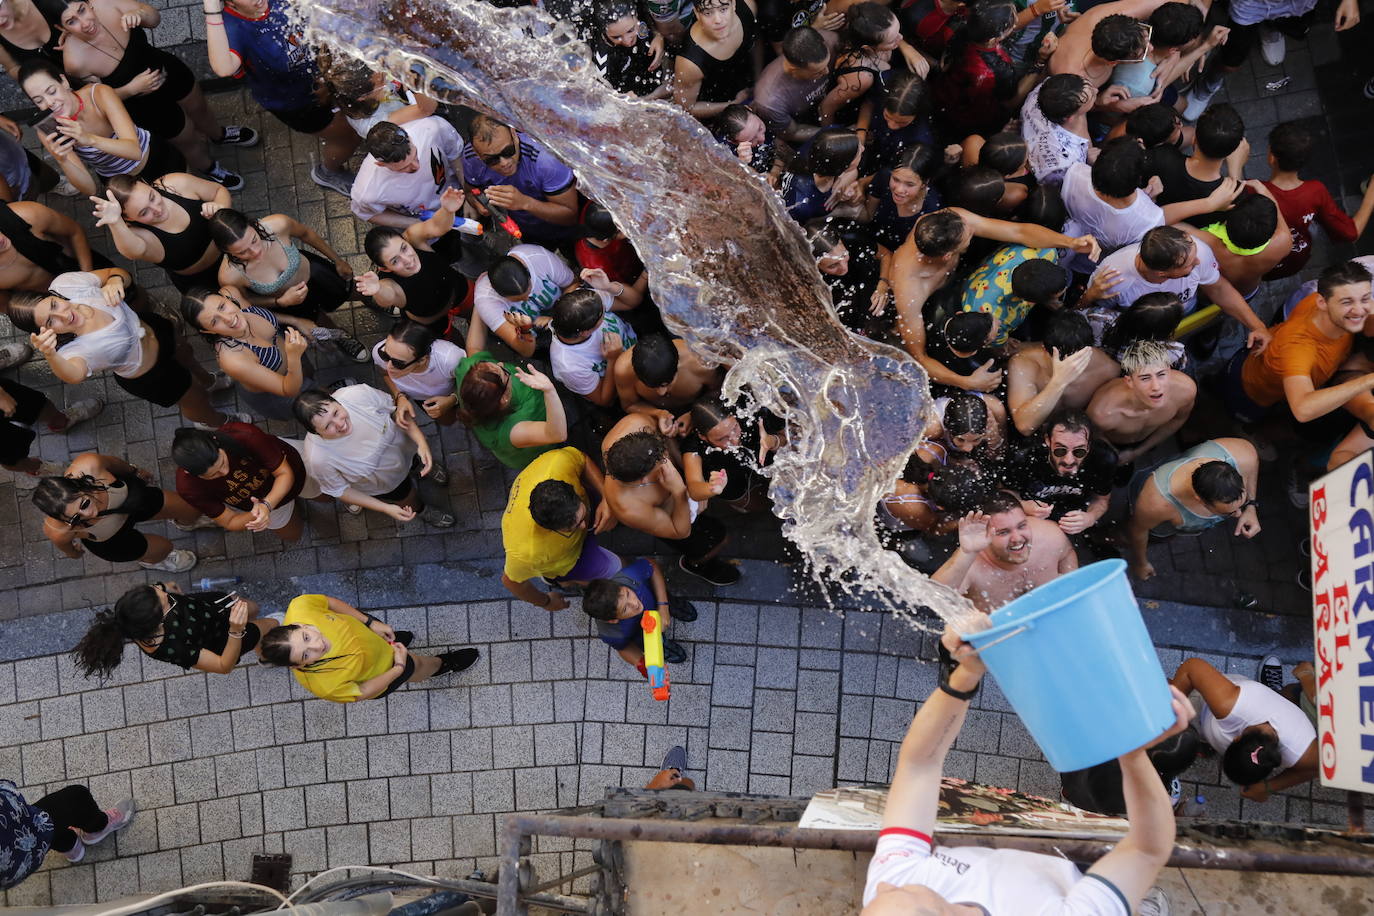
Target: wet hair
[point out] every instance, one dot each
(1043, 207)
(577, 312)
(977, 188)
(601, 599)
(135, 616)
(194, 302)
(803, 46)
(597, 223)
(988, 19)
(634, 456)
(1175, 25)
(865, 24)
(52, 494)
(824, 235)
(274, 648)
(1005, 153)
(227, 226)
(1252, 221)
(309, 404)
(23, 307)
(1061, 95)
(1291, 144)
(1070, 419)
(122, 186)
(938, 233)
(554, 505)
(965, 413)
(1068, 332)
(654, 359)
(509, 277)
(1219, 131)
(195, 451)
(1000, 502)
(907, 95)
(919, 158)
(1118, 37)
(1153, 316)
(35, 66)
(1251, 758)
(350, 82)
(832, 150)
(1038, 280)
(387, 142)
(709, 413)
(958, 488)
(479, 397)
(1216, 482)
(968, 331)
(1120, 167)
(53, 10)
(378, 237)
(1165, 247)
(1139, 355)
(484, 127)
(1342, 273)
(1153, 124)
(608, 12)
(419, 337)
(731, 121)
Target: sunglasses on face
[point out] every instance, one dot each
(1060, 451)
(507, 153)
(78, 520)
(397, 363)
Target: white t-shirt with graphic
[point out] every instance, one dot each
(549, 274)
(438, 146)
(581, 366)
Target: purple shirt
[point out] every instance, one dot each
(539, 175)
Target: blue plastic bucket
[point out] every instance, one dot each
(1076, 663)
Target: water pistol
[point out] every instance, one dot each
(461, 223)
(652, 624)
(498, 215)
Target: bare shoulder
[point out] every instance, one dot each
(1182, 384)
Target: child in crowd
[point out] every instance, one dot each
(617, 605)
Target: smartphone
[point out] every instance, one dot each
(47, 124)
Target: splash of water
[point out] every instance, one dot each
(728, 268)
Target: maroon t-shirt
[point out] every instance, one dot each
(250, 473)
(1309, 202)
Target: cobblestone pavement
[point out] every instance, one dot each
(779, 696)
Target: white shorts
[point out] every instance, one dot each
(311, 488)
(280, 516)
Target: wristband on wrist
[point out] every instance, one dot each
(964, 695)
(238, 635)
(370, 620)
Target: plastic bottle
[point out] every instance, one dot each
(461, 223)
(217, 584)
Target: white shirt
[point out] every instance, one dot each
(1004, 882)
(1091, 215)
(1132, 285)
(373, 458)
(581, 366)
(548, 275)
(1256, 704)
(117, 347)
(436, 379)
(1050, 148)
(396, 98)
(439, 147)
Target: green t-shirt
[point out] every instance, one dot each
(525, 404)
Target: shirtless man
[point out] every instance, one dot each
(1003, 554)
(36, 244)
(646, 492)
(658, 376)
(1249, 240)
(1065, 371)
(1099, 39)
(1147, 405)
(922, 264)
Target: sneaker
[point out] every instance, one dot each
(1156, 903)
(1271, 673)
(231, 180)
(1200, 97)
(220, 381)
(438, 474)
(240, 417)
(176, 561)
(12, 354)
(334, 181)
(76, 853)
(119, 817)
(65, 188)
(352, 509)
(352, 348)
(1175, 791)
(673, 653)
(716, 571)
(80, 412)
(437, 517)
(675, 759)
(405, 637)
(1273, 46)
(457, 660)
(1297, 488)
(682, 609)
(1367, 91)
(199, 524)
(238, 135)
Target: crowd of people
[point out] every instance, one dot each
(1039, 202)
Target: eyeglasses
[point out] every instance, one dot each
(397, 363)
(507, 153)
(1149, 31)
(1060, 451)
(76, 519)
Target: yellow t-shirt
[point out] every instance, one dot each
(532, 551)
(356, 654)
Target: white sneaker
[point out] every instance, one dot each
(119, 817)
(12, 354)
(1273, 46)
(220, 382)
(352, 509)
(66, 188)
(1155, 903)
(176, 561)
(76, 853)
(342, 182)
(82, 411)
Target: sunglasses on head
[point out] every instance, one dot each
(1060, 451)
(507, 153)
(397, 363)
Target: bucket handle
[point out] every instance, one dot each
(1003, 638)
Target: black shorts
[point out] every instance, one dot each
(326, 290)
(309, 120)
(168, 380)
(707, 534)
(395, 685)
(129, 544)
(399, 494)
(184, 283)
(15, 436)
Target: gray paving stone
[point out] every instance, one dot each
(917, 679)
(770, 785)
(732, 685)
(178, 826)
(774, 710)
(856, 716)
(605, 701)
(640, 705)
(554, 744)
(980, 731)
(450, 708)
(127, 748)
(474, 835)
(730, 728)
(812, 774)
(859, 674)
(816, 733)
(737, 623)
(326, 804)
(493, 790)
(153, 786)
(325, 720)
(35, 678)
(818, 691)
(407, 711)
(885, 676)
(821, 659)
(368, 800)
(284, 809)
(210, 734)
(158, 871)
(43, 762)
(535, 789)
(727, 771)
(552, 659)
(430, 753)
(365, 718)
(116, 878)
(220, 819)
(388, 755)
(101, 709)
(347, 844)
(622, 744)
(171, 740)
(304, 765)
(451, 793)
(230, 691)
(236, 774)
(736, 655)
(489, 621)
(271, 770)
(771, 754)
(881, 758)
(472, 750)
(308, 848)
(74, 885)
(892, 718)
(432, 837)
(252, 728)
(409, 796)
(60, 716)
(288, 723)
(491, 705)
(85, 755)
(532, 702)
(512, 746)
(861, 630)
(776, 668)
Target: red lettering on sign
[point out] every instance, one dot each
(1318, 507)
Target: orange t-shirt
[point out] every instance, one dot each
(1299, 348)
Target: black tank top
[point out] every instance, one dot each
(47, 51)
(431, 291)
(181, 250)
(722, 80)
(48, 255)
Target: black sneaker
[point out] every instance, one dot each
(404, 637)
(231, 180)
(457, 660)
(1270, 673)
(438, 474)
(237, 135)
(673, 653)
(716, 571)
(352, 348)
(682, 609)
